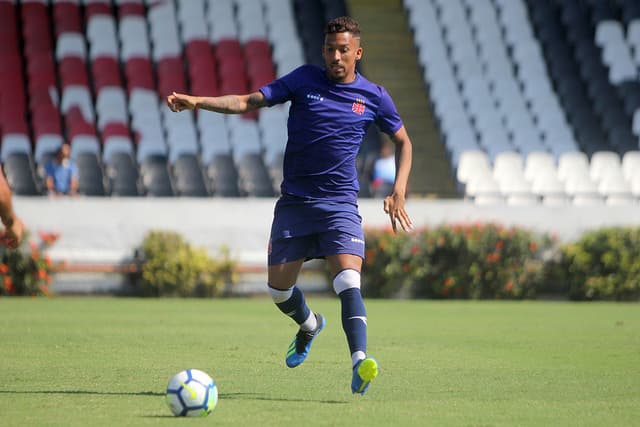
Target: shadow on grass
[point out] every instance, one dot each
(91, 392)
(254, 396)
(226, 396)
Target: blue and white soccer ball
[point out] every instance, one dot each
(192, 393)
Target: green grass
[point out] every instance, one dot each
(106, 362)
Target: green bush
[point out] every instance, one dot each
(27, 269)
(603, 264)
(385, 272)
(465, 261)
(169, 266)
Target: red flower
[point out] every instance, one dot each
(8, 284)
(42, 274)
(508, 287)
(48, 238)
(4, 268)
(493, 257)
(415, 249)
(499, 244)
(533, 246)
(449, 281)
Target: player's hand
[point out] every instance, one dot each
(12, 236)
(179, 102)
(394, 207)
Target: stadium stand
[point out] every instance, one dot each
(535, 101)
(97, 73)
(513, 84)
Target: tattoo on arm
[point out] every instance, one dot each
(256, 100)
(234, 104)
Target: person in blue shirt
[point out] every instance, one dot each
(383, 175)
(61, 173)
(317, 214)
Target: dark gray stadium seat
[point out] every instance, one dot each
(254, 177)
(223, 176)
(189, 178)
(156, 179)
(90, 176)
(123, 176)
(20, 172)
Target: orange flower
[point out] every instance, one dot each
(4, 268)
(508, 287)
(42, 274)
(8, 284)
(533, 246)
(449, 282)
(48, 238)
(493, 257)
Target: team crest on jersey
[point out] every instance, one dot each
(358, 107)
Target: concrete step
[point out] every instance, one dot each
(390, 59)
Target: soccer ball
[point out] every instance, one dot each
(192, 393)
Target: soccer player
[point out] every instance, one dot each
(13, 226)
(317, 214)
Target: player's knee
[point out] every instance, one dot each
(346, 279)
(280, 295)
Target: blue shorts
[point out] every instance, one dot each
(306, 229)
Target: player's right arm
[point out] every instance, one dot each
(14, 228)
(227, 104)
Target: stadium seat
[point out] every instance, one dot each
(223, 176)
(20, 172)
(254, 179)
(14, 143)
(90, 175)
(155, 176)
(189, 178)
(122, 174)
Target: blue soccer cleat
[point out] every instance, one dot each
(299, 348)
(364, 372)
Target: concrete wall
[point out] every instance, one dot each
(106, 230)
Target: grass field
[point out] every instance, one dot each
(106, 362)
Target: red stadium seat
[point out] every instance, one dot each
(139, 74)
(257, 48)
(170, 76)
(228, 48)
(131, 8)
(73, 71)
(66, 18)
(97, 8)
(106, 72)
(196, 49)
(231, 67)
(115, 129)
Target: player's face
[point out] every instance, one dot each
(340, 52)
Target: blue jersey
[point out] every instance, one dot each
(327, 121)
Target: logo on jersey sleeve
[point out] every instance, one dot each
(358, 107)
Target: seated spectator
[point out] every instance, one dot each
(384, 171)
(61, 173)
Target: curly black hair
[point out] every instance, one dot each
(343, 24)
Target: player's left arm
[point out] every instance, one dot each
(394, 204)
